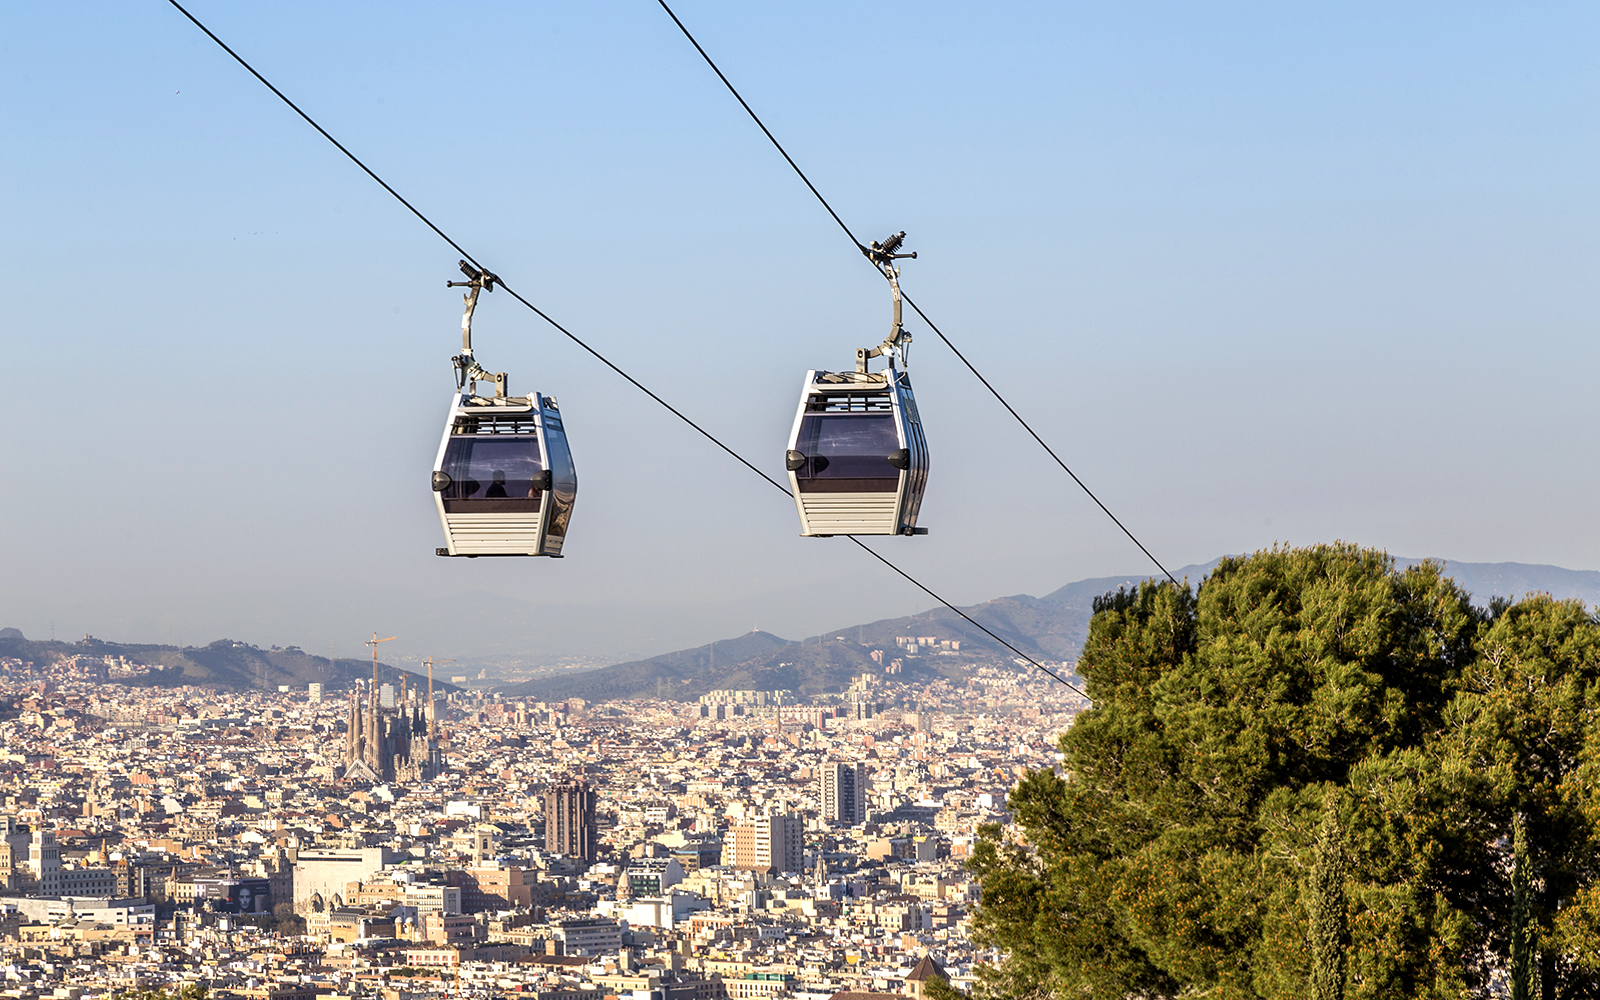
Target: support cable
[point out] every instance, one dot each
(596, 354)
(337, 144)
(1035, 435)
(762, 126)
(640, 386)
(824, 202)
(918, 584)
(461, 250)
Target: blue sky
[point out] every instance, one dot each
(1260, 272)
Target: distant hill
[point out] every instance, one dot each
(754, 661)
(223, 663)
(1486, 580)
(1052, 627)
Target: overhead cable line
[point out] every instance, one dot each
(337, 144)
(963, 358)
(461, 250)
(596, 354)
(1035, 435)
(918, 584)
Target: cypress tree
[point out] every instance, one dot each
(1329, 929)
(1522, 970)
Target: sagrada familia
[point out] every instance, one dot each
(384, 744)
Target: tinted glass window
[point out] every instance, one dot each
(848, 446)
(492, 468)
(564, 488)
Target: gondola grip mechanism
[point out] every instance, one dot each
(468, 370)
(883, 255)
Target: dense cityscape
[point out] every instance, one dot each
(382, 841)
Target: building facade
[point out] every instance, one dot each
(569, 820)
(493, 889)
(652, 876)
(322, 875)
(844, 793)
(771, 843)
(44, 863)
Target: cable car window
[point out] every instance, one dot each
(850, 446)
(492, 468)
(564, 480)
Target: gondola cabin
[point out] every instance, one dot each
(858, 460)
(503, 479)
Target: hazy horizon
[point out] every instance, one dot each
(585, 637)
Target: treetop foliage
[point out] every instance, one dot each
(1298, 696)
(188, 991)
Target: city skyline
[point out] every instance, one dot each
(580, 841)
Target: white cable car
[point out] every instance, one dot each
(503, 479)
(858, 460)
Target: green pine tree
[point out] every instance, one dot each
(1329, 923)
(1166, 859)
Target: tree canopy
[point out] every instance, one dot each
(1302, 779)
(188, 991)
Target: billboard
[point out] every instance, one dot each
(234, 895)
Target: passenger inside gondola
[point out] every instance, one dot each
(509, 466)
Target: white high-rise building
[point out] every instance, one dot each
(844, 793)
(314, 692)
(44, 861)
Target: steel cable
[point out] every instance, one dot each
(596, 354)
(970, 367)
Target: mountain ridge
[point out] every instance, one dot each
(223, 663)
(1049, 628)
